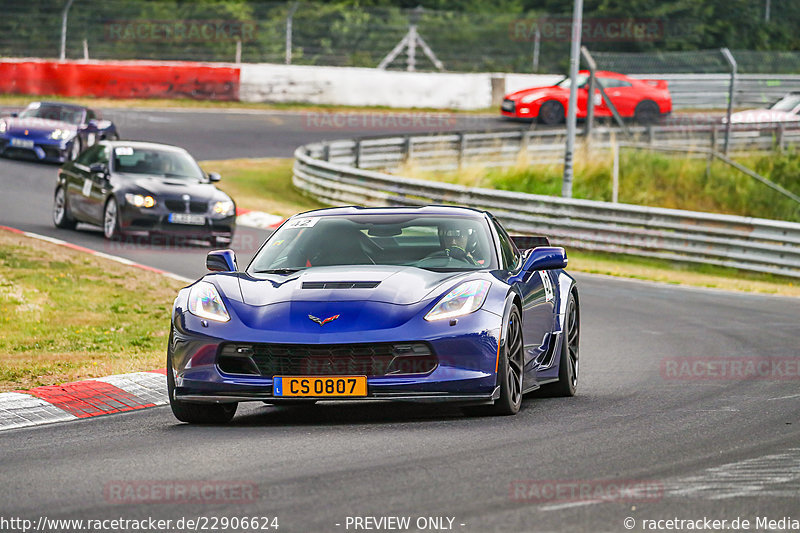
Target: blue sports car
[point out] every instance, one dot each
(428, 304)
(52, 131)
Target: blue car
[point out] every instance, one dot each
(428, 304)
(53, 131)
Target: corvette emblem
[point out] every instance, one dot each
(323, 322)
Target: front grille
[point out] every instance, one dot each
(340, 284)
(179, 206)
(52, 152)
(508, 105)
(368, 359)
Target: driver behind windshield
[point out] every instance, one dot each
(456, 242)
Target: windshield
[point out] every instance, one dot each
(152, 161)
(439, 243)
(71, 115)
(787, 103)
(566, 82)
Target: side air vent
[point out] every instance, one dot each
(340, 284)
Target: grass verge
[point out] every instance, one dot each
(66, 315)
(266, 185)
(261, 185)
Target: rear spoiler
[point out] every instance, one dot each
(660, 84)
(524, 242)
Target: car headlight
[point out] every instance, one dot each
(3, 126)
(140, 201)
(60, 135)
(463, 300)
(530, 98)
(224, 208)
(205, 302)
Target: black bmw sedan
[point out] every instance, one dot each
(140, 187)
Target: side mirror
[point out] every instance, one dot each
(545, 258)
(214, 177)
(98, 168)
(221, 261)
(14, 115)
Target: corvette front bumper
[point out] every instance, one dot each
(466, 369)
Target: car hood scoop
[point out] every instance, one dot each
(388, 284)
(340, 284)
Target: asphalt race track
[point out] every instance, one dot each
(703, 445)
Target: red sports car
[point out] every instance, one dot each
(644, 100)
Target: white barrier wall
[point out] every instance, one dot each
(372, 87)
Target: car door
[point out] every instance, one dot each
(85, 187)
(623, 95)
(537, 303)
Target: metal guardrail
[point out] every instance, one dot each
(328, 172)
(450, 151)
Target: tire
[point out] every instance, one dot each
(111, 228)
(75, 149)
(196, 413)
(551, 112)
(568, 363)
(62, 218)
(509, 371)
(646, 112)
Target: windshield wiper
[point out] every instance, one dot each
(278, 271)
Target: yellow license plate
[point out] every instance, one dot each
(319, 386)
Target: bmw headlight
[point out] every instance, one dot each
(223, 208)
(60, 135)
(205, 302)
(3, 126)
(140, 200)
(463, 300)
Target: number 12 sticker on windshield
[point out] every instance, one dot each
(306, 222)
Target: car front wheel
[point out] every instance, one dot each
(62, 218)
(196, 413)
(509, 371)
(75, 149)
(111, 220)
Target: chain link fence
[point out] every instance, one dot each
(349, 35)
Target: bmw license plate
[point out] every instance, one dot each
(319, 386)
(22, 143)
(185, 218)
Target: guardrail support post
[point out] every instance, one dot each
(326, 152)
(524, 139)
(461, 144)
(651, 135)
(615, 172)
(779, 137)
(357, 153)
(407, 149)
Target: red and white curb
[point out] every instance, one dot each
(99, 396)
(83, 399)
(257, 219)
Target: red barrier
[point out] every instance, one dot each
(120, 79)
